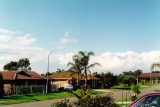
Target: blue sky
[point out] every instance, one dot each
(101, 26)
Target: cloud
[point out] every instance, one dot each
(125, 61)
(25, 40)
(5, 38)
(116, 62)
(18, 45)
(67, 39)
(15, 45)
(5, 31)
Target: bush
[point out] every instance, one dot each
(98, 101)
(88, 101)
(63, 103)
(135, 89)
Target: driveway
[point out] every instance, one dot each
(116, 94)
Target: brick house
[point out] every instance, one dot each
(60, 79)
(20, 82)
(149, 77)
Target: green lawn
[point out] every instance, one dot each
(34, 97)
(128, 87)
(13, 99)
(120, 87)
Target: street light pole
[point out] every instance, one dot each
(48, 68)
(48, 71)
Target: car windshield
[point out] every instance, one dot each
(149, 101)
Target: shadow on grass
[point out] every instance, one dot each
(16, 97)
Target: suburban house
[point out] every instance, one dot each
(18, 82)
(63, 78)
(149, 77)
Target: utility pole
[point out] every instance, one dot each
(48, 68)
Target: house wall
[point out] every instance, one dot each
(57, 84)
(24, 86)
(148, 80)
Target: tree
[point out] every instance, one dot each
(84, 58)
(137, 72)
(126, 79)
(59, 70)
(76, 67)
(108, 79)
(135, 89)
(128, 73)
(11, 66)
(155, 65)
(22, 64)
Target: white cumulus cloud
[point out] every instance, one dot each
(16, 45)
(125, 61)
(116, 62)
(67, 39)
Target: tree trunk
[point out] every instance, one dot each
(85, 71)
(78, 79)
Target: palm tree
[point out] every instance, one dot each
(60, 70)
(84, 58)
(153, 66)
(75, 67)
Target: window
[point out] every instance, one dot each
(26, 83)
(93, 83)
(149, 101)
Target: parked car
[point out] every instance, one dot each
(68, 87)
(148, 100)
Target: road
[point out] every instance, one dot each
(116, 94)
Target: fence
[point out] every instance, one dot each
(27, 89)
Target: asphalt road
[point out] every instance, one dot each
(116, 94)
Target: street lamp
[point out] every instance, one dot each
(48, 68)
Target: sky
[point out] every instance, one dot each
(123, 34)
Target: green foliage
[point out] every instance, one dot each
(88, 101)
(11, 66)
(137, 72)
(23, 63)
(135, 88)
(124, 86)
(12, 99)
(98, 101)
(63, 103)
(107, 80)
(81, 64)
(60, 70)
(129, 77)
(155, 65)
(126, 79)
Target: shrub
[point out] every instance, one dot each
(135, 89)
(88, 101)
(98, 101)
(63, 103)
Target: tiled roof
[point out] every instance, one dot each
(9, 75)
(66, 75)
(61, 75)
(148, 75)
(12, 75)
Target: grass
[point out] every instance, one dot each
(33, 97)
(121, 87)
(14, 99)
(128, 87)
(157, 90)
(144, 85)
